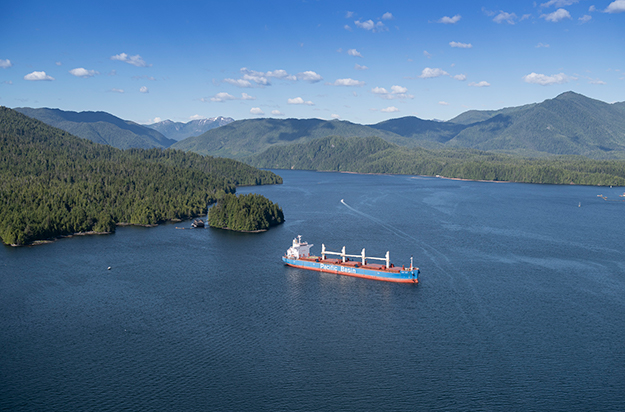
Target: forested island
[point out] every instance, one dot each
(244, 213)
(54, 184)
(375, 155)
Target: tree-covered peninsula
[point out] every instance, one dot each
(54, 184)
(374, 155)
(245, 213)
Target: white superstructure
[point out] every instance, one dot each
(299, 249)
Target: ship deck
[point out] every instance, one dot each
(354, 264)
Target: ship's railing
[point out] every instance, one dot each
(344, 255)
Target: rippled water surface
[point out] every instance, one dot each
(520, 305)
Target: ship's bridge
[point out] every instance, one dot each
(299, 249)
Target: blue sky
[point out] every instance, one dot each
(359, 61)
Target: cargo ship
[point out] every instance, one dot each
(298, 255)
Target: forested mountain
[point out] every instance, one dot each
(569, 124)
(179, 131)
(246, 137)
(421, 132)
(374, 155)
(476, 116)
(100, 127)
(53, 183)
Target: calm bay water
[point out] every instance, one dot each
(520, 305)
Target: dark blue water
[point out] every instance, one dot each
(520, 305)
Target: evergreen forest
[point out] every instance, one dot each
(374, 155)
(54, 184)
(245, 213)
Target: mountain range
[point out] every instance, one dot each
(100, 127)
(570, 124)
(179, 131)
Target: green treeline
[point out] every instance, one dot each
(374, 155)
(53, 183)
(244, 213)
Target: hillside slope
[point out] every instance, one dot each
(374, 155)
(246, 137)
(100, 127)
(570, 124)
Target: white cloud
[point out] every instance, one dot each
(398, 89)
(480, 84)
(222, 97)
(390, 109)
(277, 113)
(370, 25)
(309, 76)
(256, 110)
(5, 64)
(238, 82)
(397, 92)
(58, 63)
(280, 74)
(349, 14)
(460, 77)
(596, 81)
(585, 18)
(505, 17)
(545, 80)
(35, 76)
(347, 27)
(429, 73)
(387, 16)
(135, 60)
(426, 54)
(557, 15)
(194, 117)
(559, 3)
(539, 45)
(144, 89)
(80, 72)
(7, 82)
(260, 78)
(443, 103)
(461, 45)
(617, 6)
(592, 8)
(450, 20)
(359, 67)
(334, 116)
(354, 52)
(367, 25)
(256, 77)
(158, 120)
(299, 100)
(117, 90)
(348, 82)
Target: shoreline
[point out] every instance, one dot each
(39, 242)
